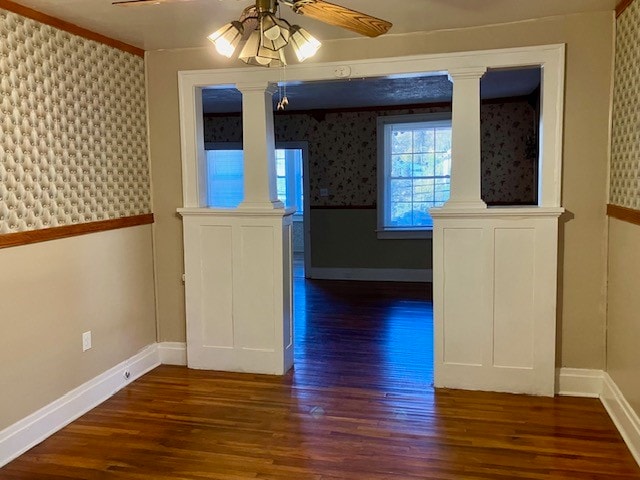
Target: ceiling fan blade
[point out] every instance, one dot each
(343, 17)
(130, 3)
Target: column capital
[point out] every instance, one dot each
(467, 73)
(250, 87)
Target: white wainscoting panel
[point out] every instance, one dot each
(238, 284)
(495, 279)
(514, 263)
(463, 297)
(216, 297)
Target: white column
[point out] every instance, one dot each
(259, 146)
(465, 139)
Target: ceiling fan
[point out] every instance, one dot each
(266, 33)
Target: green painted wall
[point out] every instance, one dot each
(346, 238)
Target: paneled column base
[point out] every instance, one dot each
(238, 289)
(494, 289)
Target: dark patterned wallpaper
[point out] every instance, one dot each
(509, 153)
(343, 151)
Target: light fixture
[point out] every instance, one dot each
(265, 36)
(304, 44)
(227, 38)
(255, 53)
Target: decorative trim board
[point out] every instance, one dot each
(372, 274)
(66, 231)
(625, 214)
(69, 27)
(622, 6)
(30, 431)
(623, 416)
(173, 353)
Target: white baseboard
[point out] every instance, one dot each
(578, 382)
(623, 416)
(173, 353)
(372, 274)
(28, 432)
(575, 382)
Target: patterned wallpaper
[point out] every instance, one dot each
(509, 153)
(72, 129)
(343, 151)
(625, 144)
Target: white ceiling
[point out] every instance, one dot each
(186, 23)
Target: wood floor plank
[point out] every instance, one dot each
(358, 405)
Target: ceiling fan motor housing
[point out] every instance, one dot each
(266, 6)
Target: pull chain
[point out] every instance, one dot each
(283, 101)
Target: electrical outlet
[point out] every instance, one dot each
(324, 192)
(86, 341)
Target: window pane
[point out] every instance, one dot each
(282, 189)
(424, 141)
(401, 215)
(443, 164)
(401, 190)
(401, 141)
(423, 190)
(423, 165)
(225, 178)
(401, 166)
(443, 140)
(281, 167)
(442, 191)
(421, 215)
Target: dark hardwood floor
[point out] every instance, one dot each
(358, 405)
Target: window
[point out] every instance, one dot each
(414, 172)
(225, 176)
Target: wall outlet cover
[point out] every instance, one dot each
(86, 341)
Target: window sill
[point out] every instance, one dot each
(404, 234)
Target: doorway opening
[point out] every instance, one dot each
(330, 166)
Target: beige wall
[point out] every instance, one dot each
(623, 318)
(77, 154)
(623, 335)
(54, 291)
(589, 56)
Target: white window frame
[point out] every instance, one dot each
(298, 171)
(384, 232)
